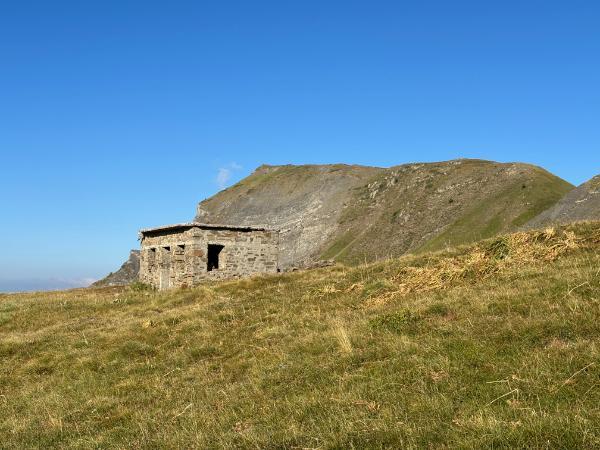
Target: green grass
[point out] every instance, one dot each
(286, 177)
(439, 205)
(488, 218)
(491, 346)
(337, 248)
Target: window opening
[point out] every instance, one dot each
(213, 256)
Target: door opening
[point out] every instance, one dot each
(165, 269)
(213, 256)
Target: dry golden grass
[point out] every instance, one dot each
(496, 345)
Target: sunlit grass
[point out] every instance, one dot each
(495, 345)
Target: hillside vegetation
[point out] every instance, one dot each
(492, 345)
(355, 214)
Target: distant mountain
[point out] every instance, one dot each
(41, 284)
(354, 213)
(582, 203)
(127, 273)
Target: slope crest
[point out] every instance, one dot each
(354, 214)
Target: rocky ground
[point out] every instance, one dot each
(582, 203)
(126, 274)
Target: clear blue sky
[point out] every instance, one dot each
(117, 115)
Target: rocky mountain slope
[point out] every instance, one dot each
(303, 202)
(354, 213)
(582, 203)
(127, 273)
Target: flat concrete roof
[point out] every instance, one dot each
(212, 226)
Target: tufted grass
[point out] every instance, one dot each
(489, 346)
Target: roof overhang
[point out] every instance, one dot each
(205, 226)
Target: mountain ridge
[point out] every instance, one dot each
(371, 213)
(353, 214)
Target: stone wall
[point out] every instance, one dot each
(177, 258)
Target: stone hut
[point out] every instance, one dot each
(187, 253)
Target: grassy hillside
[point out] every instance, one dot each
(514, 205)
(495, 345)
(432, 206)
(355, 214)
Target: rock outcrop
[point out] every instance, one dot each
(126, 274)
(582, 203)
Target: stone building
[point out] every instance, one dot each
(187, 253)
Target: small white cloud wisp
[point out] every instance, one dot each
(224, 174)
(223, 177)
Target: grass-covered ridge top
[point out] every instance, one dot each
(355, 214)
(495, 344)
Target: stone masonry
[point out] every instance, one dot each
(185, 254)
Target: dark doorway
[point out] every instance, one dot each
(164, 281)
(213, 256)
